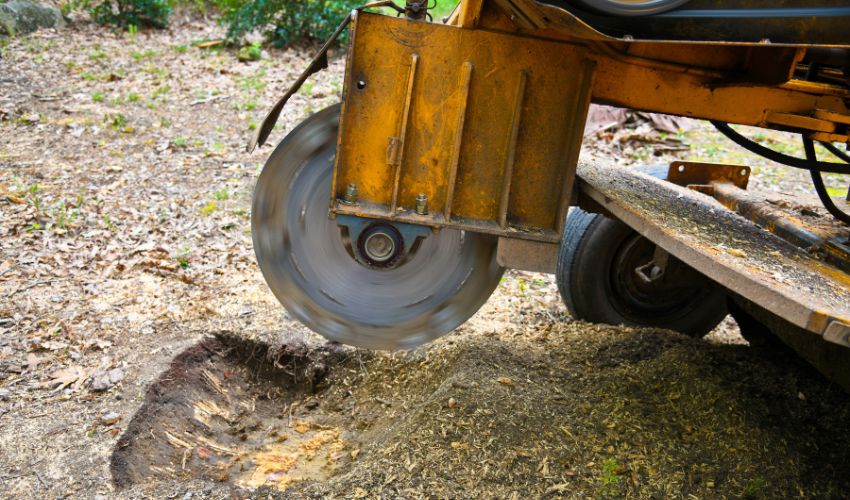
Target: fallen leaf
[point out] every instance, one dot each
(64, 377)
(33, 360)
(54, 345)
(14, 199)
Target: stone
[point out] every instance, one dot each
(116, 375)
(103, 380)
(20, 17)
(110, 418)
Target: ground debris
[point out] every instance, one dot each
(623, 430)
(125, 231)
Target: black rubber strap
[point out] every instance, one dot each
(841, 155)
(820, 187)
(791, 161)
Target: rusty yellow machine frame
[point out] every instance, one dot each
(477, 124)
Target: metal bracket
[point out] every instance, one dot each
(838, 332)
(689, 173)
(356, 225)
(654, 270)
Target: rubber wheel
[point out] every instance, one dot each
(598, 283)
(755, 332)
(633, 7)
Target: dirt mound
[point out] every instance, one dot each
(572, 410)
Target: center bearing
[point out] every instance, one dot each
(380, 244)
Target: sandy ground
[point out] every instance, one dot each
(125, 241)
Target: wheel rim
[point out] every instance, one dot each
(654, 303)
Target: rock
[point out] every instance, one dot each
(103, 380)
(5, 395)
(110, 418)
(20, 17)
(100, 381)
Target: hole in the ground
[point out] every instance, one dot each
(230, 414)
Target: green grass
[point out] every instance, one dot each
(443, 9)
(140, 55)
(97, 55)
(836, 192)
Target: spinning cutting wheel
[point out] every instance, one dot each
(633, 7)
(371, 284)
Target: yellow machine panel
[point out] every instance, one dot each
(487, 126)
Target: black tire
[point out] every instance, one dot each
(754, 331)
(597, 281)
(633, 8)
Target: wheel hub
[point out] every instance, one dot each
(379, 246)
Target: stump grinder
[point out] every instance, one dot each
(386, 221)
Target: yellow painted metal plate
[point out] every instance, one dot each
(427, 103)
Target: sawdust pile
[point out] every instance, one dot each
(569, 409)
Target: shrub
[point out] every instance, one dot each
(284, 22)
(124, 13)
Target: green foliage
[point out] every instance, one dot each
(755, 488)
(608, 480)
(284, 22)
(832, 191)
(442, 10)
(117, 122)
(107, 221)
(130, 14)
(251, 52)
(182, 257)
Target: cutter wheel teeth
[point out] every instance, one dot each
(309, 261)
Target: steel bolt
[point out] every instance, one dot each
(422, 204)
(350, 194)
